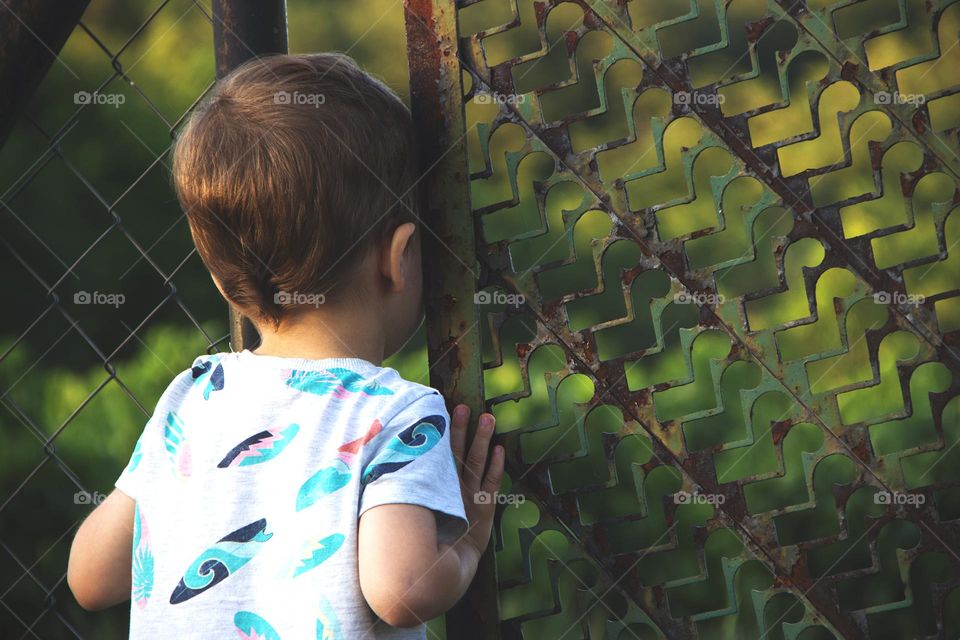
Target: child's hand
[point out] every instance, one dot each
(479, 491)
(414, 577)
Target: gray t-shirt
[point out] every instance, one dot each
(250, 479)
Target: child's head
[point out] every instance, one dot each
(299, 179)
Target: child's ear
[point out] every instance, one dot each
(395, 259)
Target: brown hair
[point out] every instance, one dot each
(290, 171)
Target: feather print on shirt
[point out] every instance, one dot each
(222, 560)
(317, 552)
(328, 626)
(136, 456)
(142, 565)
(250, 626)
(405, 447)
(337, 474)
(213, 375)
(178, 449)
(260, 447)
(339, 383)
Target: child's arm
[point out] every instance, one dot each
(98, 571)
(408, 578)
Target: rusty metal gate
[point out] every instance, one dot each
(719, 301)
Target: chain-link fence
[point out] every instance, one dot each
(97, 261)
(106, 298)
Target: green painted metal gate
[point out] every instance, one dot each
(701, 257)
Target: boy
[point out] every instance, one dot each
(300, 490)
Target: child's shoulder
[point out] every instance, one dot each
(400, 395)
(206, 370)
(334, 379)
(204, 367)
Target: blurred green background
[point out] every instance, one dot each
(99, 216)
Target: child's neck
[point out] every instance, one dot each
(318, 334)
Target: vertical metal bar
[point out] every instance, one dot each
(32, 33)
(453, 335)
(243, 29)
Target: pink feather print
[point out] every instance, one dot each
(185, 462)
(260, 447)
(254, 450)
(349, 451)
(178, 449)
(335, 476)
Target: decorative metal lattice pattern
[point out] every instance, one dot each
(719, 294)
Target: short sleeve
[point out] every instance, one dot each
(162, 437)
(132, 479)
(412, 463)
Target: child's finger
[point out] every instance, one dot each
(491, 483)
(458, 433)
(477, 457)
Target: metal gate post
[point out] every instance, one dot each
(453, 322)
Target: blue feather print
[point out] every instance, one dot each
(222, 560)
(320, 551)
(336, 475)
(213, 375)
(328, 626)
(142, 566)
(323, 483)
(338, 382)
(250, 626)
(178, 450)
(260, 447)
(136, 456)
(405, 447)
